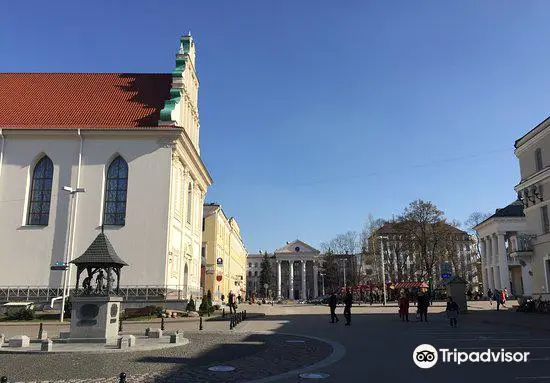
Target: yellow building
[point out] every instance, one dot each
(224, 252)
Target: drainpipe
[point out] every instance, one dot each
(73, 235)
(72, 224)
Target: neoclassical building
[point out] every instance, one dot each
(506, 252)
(296, 270)
(82, 151)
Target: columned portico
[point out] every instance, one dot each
(505, 250)
(297, 251)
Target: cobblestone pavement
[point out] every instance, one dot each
(254, 356)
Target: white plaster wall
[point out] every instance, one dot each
(27, 252)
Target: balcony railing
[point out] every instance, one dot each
(521, 243)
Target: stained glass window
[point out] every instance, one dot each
(116, 188)
(41, 193)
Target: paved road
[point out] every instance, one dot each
(379, 346)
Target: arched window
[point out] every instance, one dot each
(41, 193)
(116, 187)
(538, 159)
(189, 202)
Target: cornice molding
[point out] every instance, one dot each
(532, 180)
(533, 137)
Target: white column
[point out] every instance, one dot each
(494, 250)
(304, 291)
(483, 264)
(503, 263)
(291, 280)
(278, 279)
(315, 281)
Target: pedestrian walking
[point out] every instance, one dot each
(348, 301)
(452, 311)
(497, 298)
(404, 307)
(422, 304)
(231, 302)
(503, 296)
(332, 302)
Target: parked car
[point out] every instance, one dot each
(323, 299)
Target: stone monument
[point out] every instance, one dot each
(457, 290)
(96, 306)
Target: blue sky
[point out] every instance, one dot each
(316, 113)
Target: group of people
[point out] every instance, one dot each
(232, 301)
(422, 304)
(499, 296)
(333, 302)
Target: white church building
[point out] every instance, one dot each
(82, 151)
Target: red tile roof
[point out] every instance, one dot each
(82, 100)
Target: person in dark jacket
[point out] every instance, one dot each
(332, 302)
(452, 311)
(423, 303)
(348, 300)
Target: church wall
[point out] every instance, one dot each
(28, 251)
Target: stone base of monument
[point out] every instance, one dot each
(128, 343)
(94, 319)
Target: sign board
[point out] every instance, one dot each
(219, 261)
(59, 266)
(219, 278)
(446, 269)
(210, 270)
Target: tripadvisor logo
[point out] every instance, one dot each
(426, 356)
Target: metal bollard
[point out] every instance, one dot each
(122, 377)
(200, 323)
(120, 325)
(245, 314)
(162, 323)
(4, 379)
(40, 330)
(223, 313)
(231, 323)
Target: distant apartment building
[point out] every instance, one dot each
(401, 264)
(224, 253)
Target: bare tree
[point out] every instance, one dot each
(343, 243)
(420, 224)
(473, 220)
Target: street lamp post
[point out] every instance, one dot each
(70, 240)
(323, 280)
(344, 262)
(383, 268)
